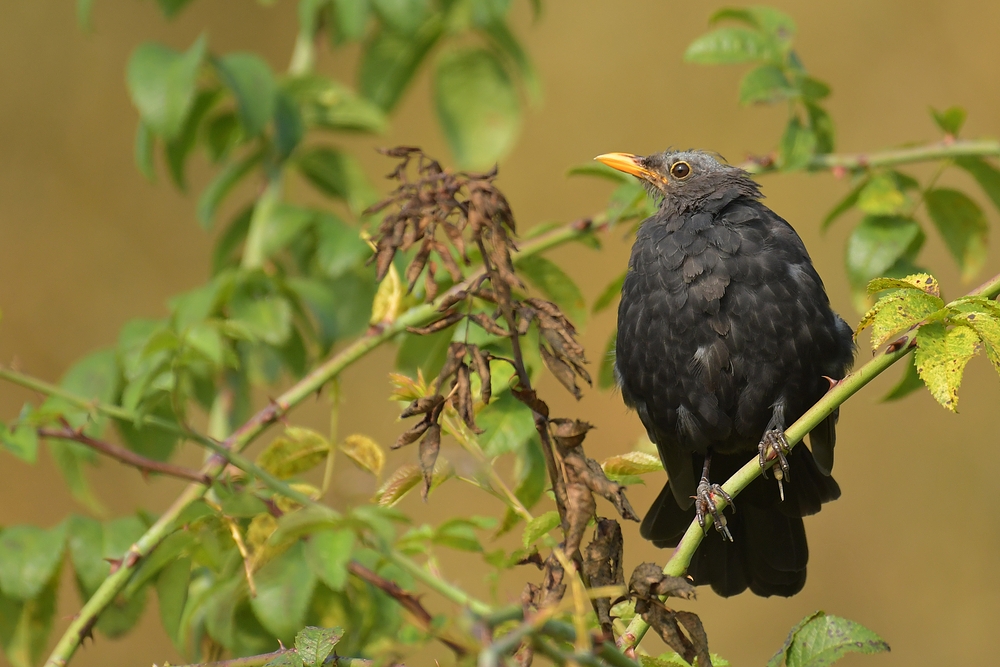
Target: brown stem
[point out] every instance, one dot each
(126, 456)
(406, 600)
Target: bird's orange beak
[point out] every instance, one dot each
(628, 163)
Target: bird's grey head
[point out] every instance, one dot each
(683, 179)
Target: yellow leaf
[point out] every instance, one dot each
(941, 356)
(388, 298)
(365, 452)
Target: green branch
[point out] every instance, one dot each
(228, 451)
(680, 560)
(941, 150)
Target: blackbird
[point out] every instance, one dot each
(725, 337)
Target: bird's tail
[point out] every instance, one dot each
(769, 552)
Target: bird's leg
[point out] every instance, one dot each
(704, 504)
(774, 445)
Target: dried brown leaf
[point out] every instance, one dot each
(413, 434)
(482, 364)
(429, 448)
(423, 405)
(488, 324)
(440, 325)
(696, 633)
(602, 565)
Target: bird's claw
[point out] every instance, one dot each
(774, 445)
(704, 505)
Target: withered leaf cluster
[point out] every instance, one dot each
(583, 477)
(432, 209)
(463, 359)
(563, 356)
(680, 630)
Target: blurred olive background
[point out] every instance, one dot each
(86, 244)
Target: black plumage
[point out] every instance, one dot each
(725, 333)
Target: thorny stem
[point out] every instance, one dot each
(126, 456)
(227, 452)
(890, 158)
(263, 659)
(850, 385)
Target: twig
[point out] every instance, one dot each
(126, 456)
(406, 600)
(263, 659)
(850, 385)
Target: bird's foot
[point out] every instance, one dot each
(774, 445)
(704, 505)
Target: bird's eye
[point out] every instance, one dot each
(680, 170)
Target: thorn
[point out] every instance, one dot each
(833, 383)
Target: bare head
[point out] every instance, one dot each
(683, 178)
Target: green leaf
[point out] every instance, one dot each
(962, 226)
(877, 243)
(389, 61)
(329, 104)
(268, 318)
(772, 22)
(151, 441)
(145, 143)
(171, 8)
(289, 127)
(609, 294)
(339, 247)
(25, 626)
(821, 640)
(477, 106)
(221, 185)
(426, 354)
(314, 645)
(402, 16)
(221, 134)
(29, 556)
(504, 40)
(765, 84)
(813, 90)
(124, 612)
(69, 458)
(907, 384)
(983, 316)
(350, 19)
(950, 120)
(162, 83)
(283, 224)
(941, 356)
(284, 587)
(985, 174)
(458, 534)
(339, 175)
(22, 442)
(546, 276)
(726, 46)
(295, 452)
(844, 205)
(539, 526)
(328, 552)
(179, 148)
(172, 594)
(84, 9)
(507, 424)
(822, 126)
(883, 196)
(251, 82)
(798, 145)
(606, 370)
